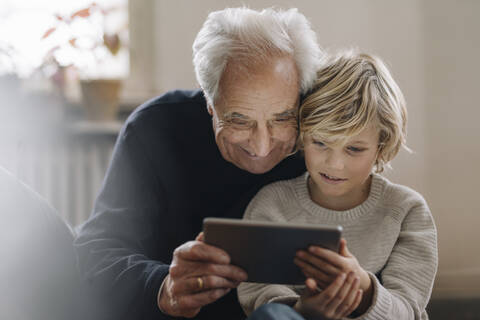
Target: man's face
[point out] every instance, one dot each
(254, 119)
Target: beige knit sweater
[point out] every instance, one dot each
(392, 234)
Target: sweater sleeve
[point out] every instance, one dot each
(253, 295)
(115, 246)
(404, 286)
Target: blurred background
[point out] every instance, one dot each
(72, 71)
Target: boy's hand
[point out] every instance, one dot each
(325, 265)
(338, 300)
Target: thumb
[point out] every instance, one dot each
(311, 285)
(200, 237)
(343, 248)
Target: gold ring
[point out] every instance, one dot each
(200, 283)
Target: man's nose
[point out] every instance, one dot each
(261, 140)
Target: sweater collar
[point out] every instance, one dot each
(377, 188)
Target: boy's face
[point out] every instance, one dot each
(340, 175)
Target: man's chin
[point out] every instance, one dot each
(258, 170)
(256, 167)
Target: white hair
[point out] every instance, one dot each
(247, 37)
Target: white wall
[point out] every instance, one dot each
(452, 72)
(431, 48)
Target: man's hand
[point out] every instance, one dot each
(199, 274)
(337, 301)
(324, 266)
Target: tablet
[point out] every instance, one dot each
(265, 250)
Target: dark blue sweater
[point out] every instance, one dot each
(165, 176)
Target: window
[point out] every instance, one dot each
(91, 36)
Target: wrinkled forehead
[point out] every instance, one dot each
(270, 87)
(283, 66)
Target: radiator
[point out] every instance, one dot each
(66, 168)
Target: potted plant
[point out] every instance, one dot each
(91, 42)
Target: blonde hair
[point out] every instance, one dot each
(353, 91)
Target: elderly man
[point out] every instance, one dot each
(170, 170)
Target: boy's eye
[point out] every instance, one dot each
(319, 143)
(355, 149)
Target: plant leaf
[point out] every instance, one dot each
(73, 42)
(81, 13)
(49, 32)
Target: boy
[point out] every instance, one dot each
(352, 124)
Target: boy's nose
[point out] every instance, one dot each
(335, 161)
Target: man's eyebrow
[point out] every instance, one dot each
(235, 115)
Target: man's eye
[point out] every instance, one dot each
(285, 119)
(238, 121)
(241, 124)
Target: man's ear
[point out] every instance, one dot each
(209, 107)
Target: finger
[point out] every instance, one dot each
(342, 294)
(329, 256)
(355, 304)
(230, 272)
(320, 284)
(318, 263)
(313, 272)
(200, 251)
(200, 237)
(327, 295)
(198, 284)
(188, 269)
(350, 298)
(201, 299)
(311, 285)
